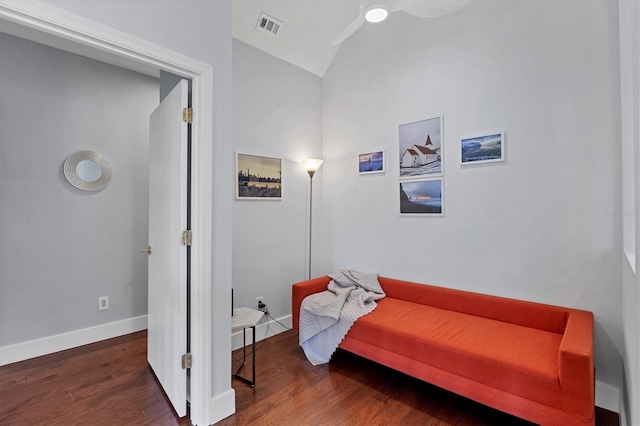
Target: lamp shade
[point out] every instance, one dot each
(311, 164)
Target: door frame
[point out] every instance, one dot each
(50, 25)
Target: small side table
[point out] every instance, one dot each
(246, 318)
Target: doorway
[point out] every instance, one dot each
(40, 22)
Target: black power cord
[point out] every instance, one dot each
(263, 307)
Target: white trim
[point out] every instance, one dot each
(87, 37)
(622, 414)
(59, 23)
(72, 339)
(263, 331)
(221, 403)
(202, 412)
(607, 397)
(631, 258)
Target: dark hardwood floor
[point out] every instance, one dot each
(105, 383)
(110, 383)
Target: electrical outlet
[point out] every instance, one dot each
(103, 303)
(259, 302)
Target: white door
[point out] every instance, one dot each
(167, 310)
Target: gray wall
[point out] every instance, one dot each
(629, 13)
(277, 112)
(535, 227)
(60, 247)
(167, 82)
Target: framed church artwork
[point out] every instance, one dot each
(420, 148)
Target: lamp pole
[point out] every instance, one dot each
(311, 173)
(311, 165)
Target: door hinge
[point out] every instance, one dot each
(186, 361)
(186, 237)
(187, 115)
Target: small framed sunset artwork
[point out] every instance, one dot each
(371, 162)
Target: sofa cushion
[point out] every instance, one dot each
(514, 358)
(528, 314)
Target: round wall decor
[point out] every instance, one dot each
(87, 170)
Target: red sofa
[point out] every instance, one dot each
(531, 360)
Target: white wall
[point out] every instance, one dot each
(535, 227)
(629, 13)
(60, 247)
(277, 112)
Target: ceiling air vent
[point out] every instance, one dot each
(268, 24)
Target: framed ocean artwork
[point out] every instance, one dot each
(422, 197)
(485, 148)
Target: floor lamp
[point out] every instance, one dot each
(311, 165)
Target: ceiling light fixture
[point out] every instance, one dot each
(376, 14)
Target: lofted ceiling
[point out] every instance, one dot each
(308, 28)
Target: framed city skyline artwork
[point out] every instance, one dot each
(258, 178)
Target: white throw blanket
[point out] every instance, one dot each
(326, 317)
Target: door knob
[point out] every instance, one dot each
(146, 250)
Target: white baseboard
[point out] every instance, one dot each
(61, 342)
(264, 330)
(607, 397)
(222, 406)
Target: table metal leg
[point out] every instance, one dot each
(252, 382)
(253, 368)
